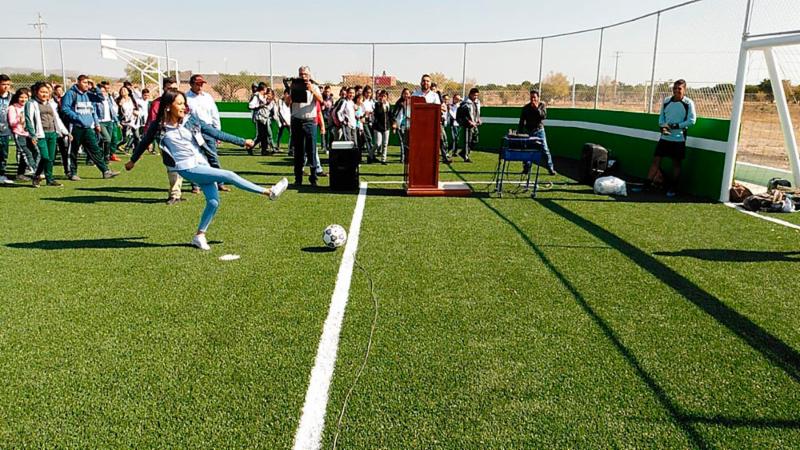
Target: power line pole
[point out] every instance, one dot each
(617, 56)
(40, 26)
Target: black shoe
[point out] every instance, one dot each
(313, 183)
(264, 153)
(467, 160)
(552, 172)
(297, 184)
(250, 152)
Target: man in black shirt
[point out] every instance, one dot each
(531, 122)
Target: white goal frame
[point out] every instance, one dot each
(767, 46)
(151, 71)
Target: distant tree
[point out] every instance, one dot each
(556, 85)
(229, 85)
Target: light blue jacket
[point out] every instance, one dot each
(79, 108)
(678, 116)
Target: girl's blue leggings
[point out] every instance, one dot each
(207, 178)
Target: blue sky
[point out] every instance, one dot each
(699, 42)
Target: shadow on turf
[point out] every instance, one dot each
(671, 408)
(709, 254)
(117, 189)
(105, 243)
(103, 199)
(772, 348)
(320, 249)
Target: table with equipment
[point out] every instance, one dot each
(521, 148)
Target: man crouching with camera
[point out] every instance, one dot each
(304, 97)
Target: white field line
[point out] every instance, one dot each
(768, 219)
(312, 422)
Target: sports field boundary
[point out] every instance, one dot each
(312, 421)
(768, 219)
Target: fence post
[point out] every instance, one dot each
(653, 71)
(373, 67)
(464, 73)
(573, 92)
(599, 59)
(63, 70)
(541, 61)
(166, 52)
(271, 84)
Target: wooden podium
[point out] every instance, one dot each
(422, 160)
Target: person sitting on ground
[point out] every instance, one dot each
(677, 115)
(182, 135)
(531, 122)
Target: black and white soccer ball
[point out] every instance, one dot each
(334, 236)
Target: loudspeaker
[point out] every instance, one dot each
(344, 159)
(594, 161)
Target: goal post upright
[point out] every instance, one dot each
(767, 46)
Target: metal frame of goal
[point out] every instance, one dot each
(761, 43)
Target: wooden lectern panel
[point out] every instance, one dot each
(422, 160)
(423, 146)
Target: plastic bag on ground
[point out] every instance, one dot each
(610, 186)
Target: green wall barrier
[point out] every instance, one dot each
(630, 138)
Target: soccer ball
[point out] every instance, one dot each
(334, 236)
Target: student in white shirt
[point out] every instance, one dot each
(284, 120)
(368, 104)
(347, 116)
(202, 105)
(425, 90)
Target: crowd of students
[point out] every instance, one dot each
(367, 119)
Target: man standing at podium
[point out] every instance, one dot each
(425, 90)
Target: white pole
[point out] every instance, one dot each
(733, 130)
(271, 85)
(464, 72)
(541, 61)
(177, 74)
(783, 113)
(63, 70)
(573, 92)
(653, 69)
(599, 59)
(373, 67)
(160, 78)
(166, 51)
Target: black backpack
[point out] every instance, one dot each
(594, 162)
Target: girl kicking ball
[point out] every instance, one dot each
(181, 136)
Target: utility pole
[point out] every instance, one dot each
(617, 56)
(40, 26)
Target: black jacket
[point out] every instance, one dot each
(532, 119)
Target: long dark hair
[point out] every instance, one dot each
(166, 101)
(399, 101)
(15, 98)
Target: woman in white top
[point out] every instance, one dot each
(129, 119)
(181, 139)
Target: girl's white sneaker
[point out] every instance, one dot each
(199, 241)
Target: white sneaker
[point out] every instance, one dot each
(5, 180)
(278, 189)
(199, 241)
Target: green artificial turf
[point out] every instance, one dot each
(569, 321)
